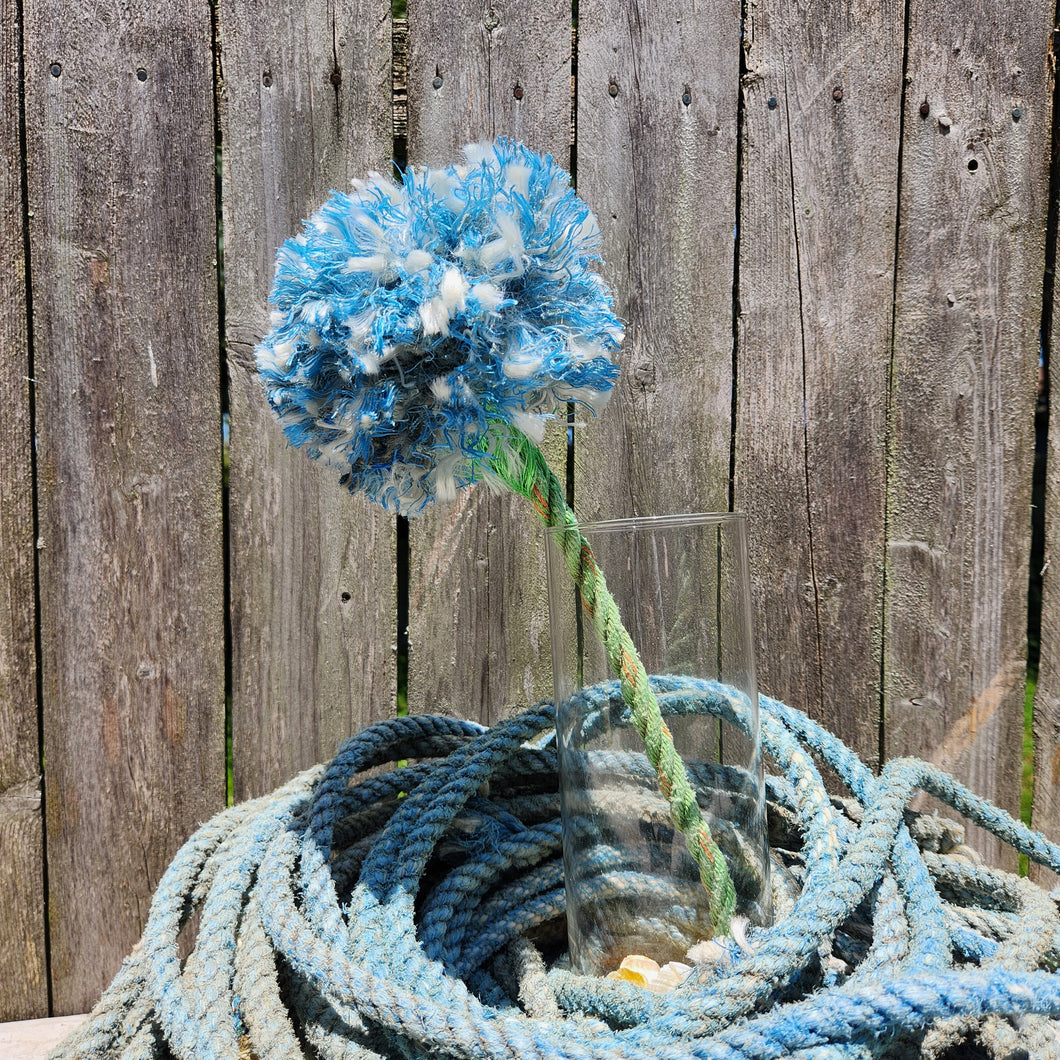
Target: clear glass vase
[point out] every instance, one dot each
(682, 589)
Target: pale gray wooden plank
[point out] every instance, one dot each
(123, 240)
(657, 159)
(22, 926)
(34, 1039)
(482, 55)
(816, 261)
(313, 577)
(1045, 811)
(478, 608)
(972, 210)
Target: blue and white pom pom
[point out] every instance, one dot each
(416, 325)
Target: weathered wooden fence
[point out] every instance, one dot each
(828, 227)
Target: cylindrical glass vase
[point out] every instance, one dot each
(682, 589)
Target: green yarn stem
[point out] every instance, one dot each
(522, 468)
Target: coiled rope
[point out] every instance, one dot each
(419, 911)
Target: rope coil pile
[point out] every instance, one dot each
(419, 911)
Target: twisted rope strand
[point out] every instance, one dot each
(310, 977)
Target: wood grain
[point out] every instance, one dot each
(22, 923)
(1045, 812)
(816, 267)
(871, 374)
(478, 611)
(305, 107)
(657, 142)
(972, 210)
(123, 243)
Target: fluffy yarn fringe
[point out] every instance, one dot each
(414, 325)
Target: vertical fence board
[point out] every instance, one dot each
(121, 189)
(22, 960)
(478, 607)
(965, 369)
(661, 174)
(1045, 812)
(305, 107)
(816, 260)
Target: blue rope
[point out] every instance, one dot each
(410, 913)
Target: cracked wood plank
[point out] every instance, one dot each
(816, 265)
(305, 107)
(22, 923)
(967, 315)
(657, 153)
(1045, 816)
(478, 606)
(119, 121)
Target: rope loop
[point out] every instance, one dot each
(406, 900)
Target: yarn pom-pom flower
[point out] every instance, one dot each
(418, 327)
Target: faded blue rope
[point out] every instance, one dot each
(388, 916)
